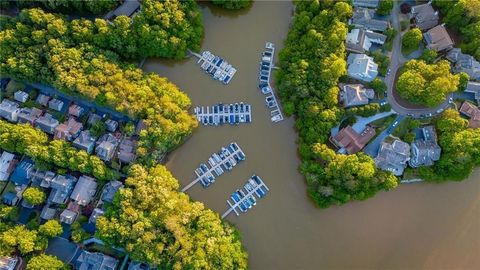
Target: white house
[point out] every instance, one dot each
(20, 96)
(362, 67)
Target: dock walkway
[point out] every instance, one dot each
(266, 66)
(222, 114)
(224, 160)
(216, 66)
(243, 198)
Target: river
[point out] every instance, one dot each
(416, 226)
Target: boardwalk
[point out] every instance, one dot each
(243, 198)
(222, 114)
(266, 66)
(224, 160)
(216, 66)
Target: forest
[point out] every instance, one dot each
(311, 64)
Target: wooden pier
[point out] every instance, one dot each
(216, 66)
(224, 114)
(253, 186)
(224, 160)
(266, 66)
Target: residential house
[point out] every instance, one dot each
(68, 130)
(393, 157)
(68, 216)
(75, 110)
(62, 187)
(42, 178)
(43, 99)
(106, 146)
(7, 164)
(351, 141)
(48, 213)
(360, 41)
(364, 18)
(366, 3)
(425, 16)
(474, 88)
(20, 96)
(464, 63)
(47, 123)
(55, 104)
(85, 141)
(94, 261)
(126, 152)
(438, 39)
(10, 198)
(111, 125)
(355, 95)
(9, 110)
(29, 115)
(472, 112)
(8, 263)
(128, 8)
(425, 149)
(93, 117)
(84, 190)
(97, 212)
(110, 190)
(22, 173)
(362, 67)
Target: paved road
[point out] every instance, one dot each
(372, 148)
(362, 122)
(397, 60)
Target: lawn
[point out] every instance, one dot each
(12, 87)
(10, 187)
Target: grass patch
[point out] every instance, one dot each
(10, 187)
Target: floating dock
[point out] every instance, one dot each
(266, 66)
(224, 160)
(216, 66)
(244, 198)
(220, 114)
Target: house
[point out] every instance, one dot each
(43, 100)
(351, 141)
(111, 125)
(9, 110)
(55, 104)
(97, 212)
(464, 63)
(355, 95)
(75, 110)
(128, 8)
(8, 263)
(68, 216)
(110, 190)
(48, 213)
(20, 96)
(7, 164)
(364, 18)
(425, 150)
(22, 173)
(472, 112)
(47, 123)
(126, 152)
(425, 16)
(10, 198)
(68, 130)
(362, 67)
(62, 187)
(106, 146)
(92, 118)
(94, 261)
(42, 178)
(393, 157)
(84, 190)
(438, 39)
(85, 141)
(360, 41)
(474, 88)
(366, 3)
(29, 115)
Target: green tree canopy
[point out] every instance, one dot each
(34, 196)
(50, 229)
(411, 40)
(44, 262)
(233, 4)
(384, 7)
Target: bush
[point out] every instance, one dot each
(411, 40)
(34, 196)
(384, 7)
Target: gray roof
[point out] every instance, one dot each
(359, 40)
(128, 8)
(106, 146)
(355, 94)
(84, 140)
(95, 261)
(97, 212)
(47, 123)
(8, 263)
(425, 16)
(61, 186)
(8, 108)
(48, 213)
(425, 150)
(43, 178)
(29, 115)
(438, 38)
(68, 216)
(20, 96)
(111, 125)
(84, 190)
(364, 17)
(474, 87)
(110, 189)
(366, 3)
(43, 99)
(464, 63)
(93, 117)
(362, 67)
(393, 157)
(6, 165)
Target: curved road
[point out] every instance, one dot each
(397, 60)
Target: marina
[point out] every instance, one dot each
(220, 114)
(244, 199)
(266, 66)
(218, 163)
(216, 66)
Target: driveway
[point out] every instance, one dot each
(362, 122)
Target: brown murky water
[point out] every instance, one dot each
(417, 226)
